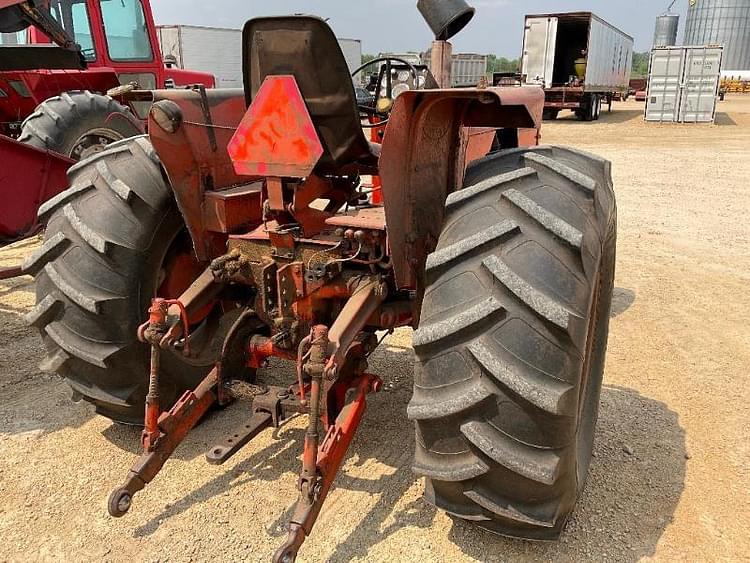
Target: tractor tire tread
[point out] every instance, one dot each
(89, 269)
(58, 121)
(502, 410)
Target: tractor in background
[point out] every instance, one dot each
(237, 230)
(63, 66)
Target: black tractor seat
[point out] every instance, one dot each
(306, 48)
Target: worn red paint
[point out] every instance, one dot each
(34, 176)
(276, 137)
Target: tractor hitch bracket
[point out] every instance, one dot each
(327, 458)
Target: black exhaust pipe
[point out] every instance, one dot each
(445, 17)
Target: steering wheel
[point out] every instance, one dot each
(388, 86)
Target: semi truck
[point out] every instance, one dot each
(218, 51)
(580, 60)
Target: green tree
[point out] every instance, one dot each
(501, 64)
(640, 65)
(367, 57)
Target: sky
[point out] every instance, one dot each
(396, 25)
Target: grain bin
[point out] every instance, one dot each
(665, 32)
(721, 22)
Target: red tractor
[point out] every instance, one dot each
(66, 55)
(238, 230)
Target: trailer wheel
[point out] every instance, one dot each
(511, 344)
(587, 111)
(112, 241)
(597, 107)
(78, 124)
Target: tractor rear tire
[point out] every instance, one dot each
(512, 338)
(78, 124)
(101, 262)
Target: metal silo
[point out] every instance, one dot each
(665, 32)
(721, 22)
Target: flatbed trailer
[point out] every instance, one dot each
(580, 60)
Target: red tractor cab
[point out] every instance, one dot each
(64, 65)
(117, 44)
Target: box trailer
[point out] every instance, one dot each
(352, 49)
(208, 49)
(219, 51)
(579, 59)
(683, 84)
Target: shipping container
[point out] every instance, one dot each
(467, 69)
(219, 51)
(578, 58)
(683, 84)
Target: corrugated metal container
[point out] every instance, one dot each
(554, 42)
(207, 49)
(352, 49)
(467, 69)
(683, 84)
(721, 22)
(665, 31)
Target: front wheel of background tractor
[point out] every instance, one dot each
(511, 343)
(78, 124)
(114, 240)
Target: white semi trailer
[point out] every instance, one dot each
(579, 59)
(219, 51)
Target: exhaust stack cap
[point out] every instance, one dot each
(445, 17)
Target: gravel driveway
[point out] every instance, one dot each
(670, 479)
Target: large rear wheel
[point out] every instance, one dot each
(78, 124)
(512, 338)
(114, 239)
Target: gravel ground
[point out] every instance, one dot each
(670, 479)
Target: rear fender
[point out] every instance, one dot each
(190, 130)
(425, 151)
(187, 77)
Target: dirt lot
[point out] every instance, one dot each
(671, 475)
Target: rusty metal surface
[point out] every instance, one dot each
(329, 457)
(367, 293)
(186, 154)
(276, 136)
(10, 272)
(228, 211)
(424, 159)
(241, 436)
(365, 218)
(478, 142)
(173, 427)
